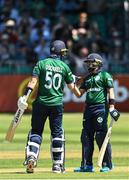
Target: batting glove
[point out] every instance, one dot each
(75, 78)
(22, 104)
(114, 114)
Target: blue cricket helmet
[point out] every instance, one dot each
(93, 61)
(94, 57)
(58, 47)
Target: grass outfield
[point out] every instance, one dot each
(12, 154)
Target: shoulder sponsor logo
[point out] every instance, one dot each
(97, 78)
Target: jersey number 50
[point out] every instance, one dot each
(53, 81)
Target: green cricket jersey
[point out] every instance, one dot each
(53, 74)
(96, 87)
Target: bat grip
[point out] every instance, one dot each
(28, 93)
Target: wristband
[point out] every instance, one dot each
(27, 89)
(112, 101)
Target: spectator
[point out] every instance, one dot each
(4, 53)
(79, 61)
(82, 21)
(7, 51)
(39, 31)
(97, 12)
(100, 28)
(42, 49)
(62, 29)
(25, 24)
(81, 27)
(67, 6)
(10, 29)
(36, 6)
(21, 54)
(31, 57)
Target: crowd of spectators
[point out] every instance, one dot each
(28, 26)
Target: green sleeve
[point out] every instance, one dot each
(36, 70)
(108, 80)
(68, 75)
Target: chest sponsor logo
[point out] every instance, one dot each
(94, 89)
(121, 93)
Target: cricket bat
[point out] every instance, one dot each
(105, 142)
(16, 120)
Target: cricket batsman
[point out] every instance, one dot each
(51, 74)
(100, 100)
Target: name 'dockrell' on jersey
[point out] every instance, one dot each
(52, 68)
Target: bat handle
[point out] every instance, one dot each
(111, 123)
(27, 96)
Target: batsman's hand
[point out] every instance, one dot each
(77, 79)
(114, 114)
(22, 104)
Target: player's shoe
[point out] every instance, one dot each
(58, 168)
(105, 169)
(31, 164)
(87, 168)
